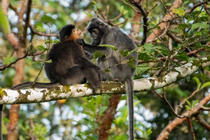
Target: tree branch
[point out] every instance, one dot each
(107, 118)
(203, 122)
(144, 14)
(191, 128)
(166, 22)
(177, 121)
(41, 34)
(75, 91)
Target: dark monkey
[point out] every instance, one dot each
(101, 33)
(69, 65)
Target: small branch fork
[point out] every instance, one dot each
(144, 14)
(166, 100)
(104, 16)
(3, 67)
(194, 112)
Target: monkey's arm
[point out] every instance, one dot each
(91, 48)
(85, 63)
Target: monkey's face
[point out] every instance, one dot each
(94, 33)
(75, 34)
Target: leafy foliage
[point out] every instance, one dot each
(80, 118)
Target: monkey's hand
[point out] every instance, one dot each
(81, 42)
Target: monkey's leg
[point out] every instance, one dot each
(73, 76)
(93, 77)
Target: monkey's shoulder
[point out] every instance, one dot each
(65, 49)
(68, 45)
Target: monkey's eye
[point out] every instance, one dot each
(94, 31)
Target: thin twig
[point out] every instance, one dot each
(183, 102)
(9, 65)
(195, 6)
(116, 17)
(158, 94)
(134, 9)
(206, 9)
(27, 19)
(172, 36)
(163, 97)
(38, 75)
(205, 108)
(203, 122)
(152, 8)
(166, 100)
(41, 34)
(191, 128)
(145, 24)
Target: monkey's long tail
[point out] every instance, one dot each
(129, 92)
(1, 117)
(36, 85)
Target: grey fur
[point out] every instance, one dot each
(101, 33)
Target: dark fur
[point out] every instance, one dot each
(101, 33)
(69, 65)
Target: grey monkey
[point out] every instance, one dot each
(101, 33)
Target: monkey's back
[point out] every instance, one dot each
(63, 57)
(116, 61)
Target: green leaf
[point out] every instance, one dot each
(200, 25)
(194, 103)
(132, 62)
(149, 132)
(168, 4)
(179, 11)
(8, 59)
(41, 48)
(89, 14)
(150, 48)
(196, 79)
(107, 70)
(48, 61)
(51, 41)
(94, 2)
(144, 56)
(5, 120)
(102, 109)
(188, 102)
(187, 107)
(205, 85)
(124, 52)
(183, 26)
(182, 56)
(40, 29)
(109, 46)
(4, 24)
(180, 92)
(98, 54)
(141, 69)
(136, 103)
(47, 19)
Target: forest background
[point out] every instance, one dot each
(171, 80)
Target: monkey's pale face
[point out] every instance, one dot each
(75, 34)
